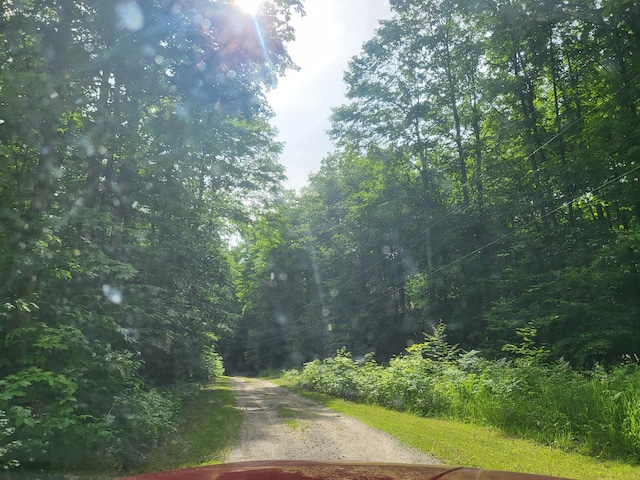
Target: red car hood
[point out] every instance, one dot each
(299, 470)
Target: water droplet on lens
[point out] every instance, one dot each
(130, 15)
(113, 294)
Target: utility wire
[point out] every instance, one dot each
(459, 209)
(275, 338)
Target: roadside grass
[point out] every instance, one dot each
(207, 431)
(271, 374)
(456, 443)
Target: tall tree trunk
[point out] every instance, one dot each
(477, 145)
(526, 96)
(94, 167)
(568, 191)
(427, 208)
(453, 103)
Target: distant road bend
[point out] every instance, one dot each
(279, 425)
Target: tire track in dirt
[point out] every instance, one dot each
(279, 425)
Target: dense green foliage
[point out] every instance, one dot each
(133, 134)
(207, 430)
(486, 175)
(461, 443)
(595, 413)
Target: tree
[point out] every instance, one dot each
(137, 133)
(501, 135)
(277, 289)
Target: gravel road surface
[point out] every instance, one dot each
(279, 425)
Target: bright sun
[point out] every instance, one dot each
(249, 6)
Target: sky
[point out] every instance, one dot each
(328, 36)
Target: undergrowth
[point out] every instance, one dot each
(596, 412)
(208, 427)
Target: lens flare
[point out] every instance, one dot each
(251, 7)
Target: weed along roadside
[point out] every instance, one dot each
(592, 413)
(457, 443)
(210, 425)
(208, 428)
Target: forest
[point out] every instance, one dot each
(485, 176)
(485, 180)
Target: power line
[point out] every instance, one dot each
(459, 209)
(274, 338)
(469, 181)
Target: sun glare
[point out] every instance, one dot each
(250, 7)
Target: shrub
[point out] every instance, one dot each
(595, 412)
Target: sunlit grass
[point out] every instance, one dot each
(292, 415)
(456, 443)
(289, 415)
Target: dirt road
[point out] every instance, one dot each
(279, 425)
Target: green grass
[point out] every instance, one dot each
(292, 415)
(208, 430)
(456, 443)
(271, 374)
(289, 415)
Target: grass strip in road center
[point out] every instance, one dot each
(456, 443)
(289, 415)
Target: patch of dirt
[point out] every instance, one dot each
(279, 425)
